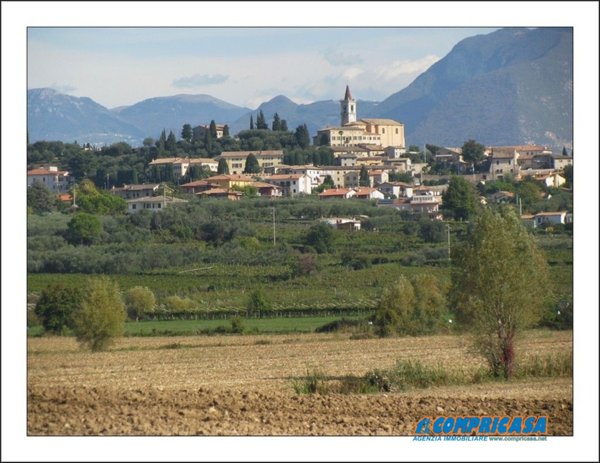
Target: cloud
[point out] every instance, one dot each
(66, 88)
(338, 58)
(198, 80)
(402, 68)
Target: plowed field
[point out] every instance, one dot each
(243, 385)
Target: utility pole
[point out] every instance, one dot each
(274, 238)
(448, 227)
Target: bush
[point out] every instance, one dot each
(237, 325)
(257, 303)
(139, 300)
(56, 307)
(101, 315)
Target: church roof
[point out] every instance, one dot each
(348, 95)
(381, 121)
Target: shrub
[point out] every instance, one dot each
(56, 307)
(257, 303)
(314, 382)
(139, 300)
(237, 325)
(101, 315)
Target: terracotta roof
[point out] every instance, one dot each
(265, 185)
(259, 153)
(219, 191)
(365, 191)
(167, 161)
(547, 214)
(232, 177)
(46, 172)
(381, 121)
(195, 183)
(336, 192)
(155, 199)
(285, 177)
(203, 160)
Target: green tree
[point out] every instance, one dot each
(171, 143)
(276, 123)
(459, 200)
(40, 198)
(320, 237)
(394, 309)
(56, 307)
(213, 129)
(499, 283)
(257, 303)
(363, 178)
(226, 131)
(101, 315)
(564, 151)
(568, 174)
(139, 300)
(473, 152)
(261, 122)
(430, 304)
(302, 136)
(84, 228)
(187, 133)
(162, 141)
(252, 165)
(284, 125)
(251, 122)
(223, 168)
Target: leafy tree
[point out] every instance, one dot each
(327, 184)
(101, 315)
(40, 198)
(568, 174)
(473, 152)
(363, 178)
(261, 122)
(530, 192)
(394, 308)
(432, 231)
(252, 165)
(139, 300)
(499, 283)
(302, 136)
(223, 168)
(84, 228)
(56, 306)
(430, 303)
(459, 200)
(283, 126)
(276, 123)
(187, 133)
(257, 303)
(148, 142)
(89, 199)
(305, 264)
(320, 237)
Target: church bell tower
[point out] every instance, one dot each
(348, 108)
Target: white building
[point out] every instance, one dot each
(153, 203)
(291, 184)
(57, 181)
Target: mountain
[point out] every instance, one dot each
(172, 112)
(55, 116)
(315, 115)
(513, 86)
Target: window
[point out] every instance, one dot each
(382, 130)
(351, 107)
(133, 206)
(396, 131)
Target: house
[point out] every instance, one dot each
(266, 189)
(398, 164)
(451, 158)
(291, 184)
(236, 160)
(367, 132)
(208, 164)
(178, 165)
(339, 193)
(377, 177)
(229, 181)
(343, 224)
(222, 193)
(136, 191)
(560, 162)
(553, 218)
(153, 203)
(502, 197)
(57, 181)
(405, 204)
(552, 180)
(200, 131)
(198, 186)
(368, 193)
(503, 163)
(396, 189)
(395, 152)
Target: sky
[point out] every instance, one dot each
(243, 66)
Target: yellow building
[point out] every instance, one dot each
(236, 160)
(355, 132)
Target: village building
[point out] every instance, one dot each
(291, 184)
(152, 203)
(136, 191)
(236, 160)
(57, 181)
(200, 131)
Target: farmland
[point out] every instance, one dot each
(243, 385)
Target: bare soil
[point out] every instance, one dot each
(243, 385)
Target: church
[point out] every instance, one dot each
(360, 132)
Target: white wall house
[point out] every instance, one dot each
(291, 184)
(152, 203)
(57, 181)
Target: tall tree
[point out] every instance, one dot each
(276, 123)
(473, 152)
(459, 200)
(40, 198)
(186, 132)
(226, 131)
(499, 285)
(302, 136)
(171, 144)
(252, 165)
(56, 306)
(261, 122)
(251, 122)
(162, 141)
(564, 151)
(363, 178)
(283, 126)
(84, 228)
(223, 168)
(213, 129)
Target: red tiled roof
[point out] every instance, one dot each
(46, 172)
(336, 192)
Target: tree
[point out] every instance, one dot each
(213, 129)
(101, 315)
(56, 307)
(83, 228)
(473, 152)
(261, 123)
(251, 122)
(499, 283)
(162, 141)
(257, 303)
(363, 178)
(564, 151)
(393, 310)
(430, 304)
(223, 168)
(139, 300)
(171, 143)
(276, 123)
(284, 126)
(459, 200)
(568, 174)
(320, 237)
(225, 131)
(302, 136)
(40, 198)
(252, 165)
(187, 133)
